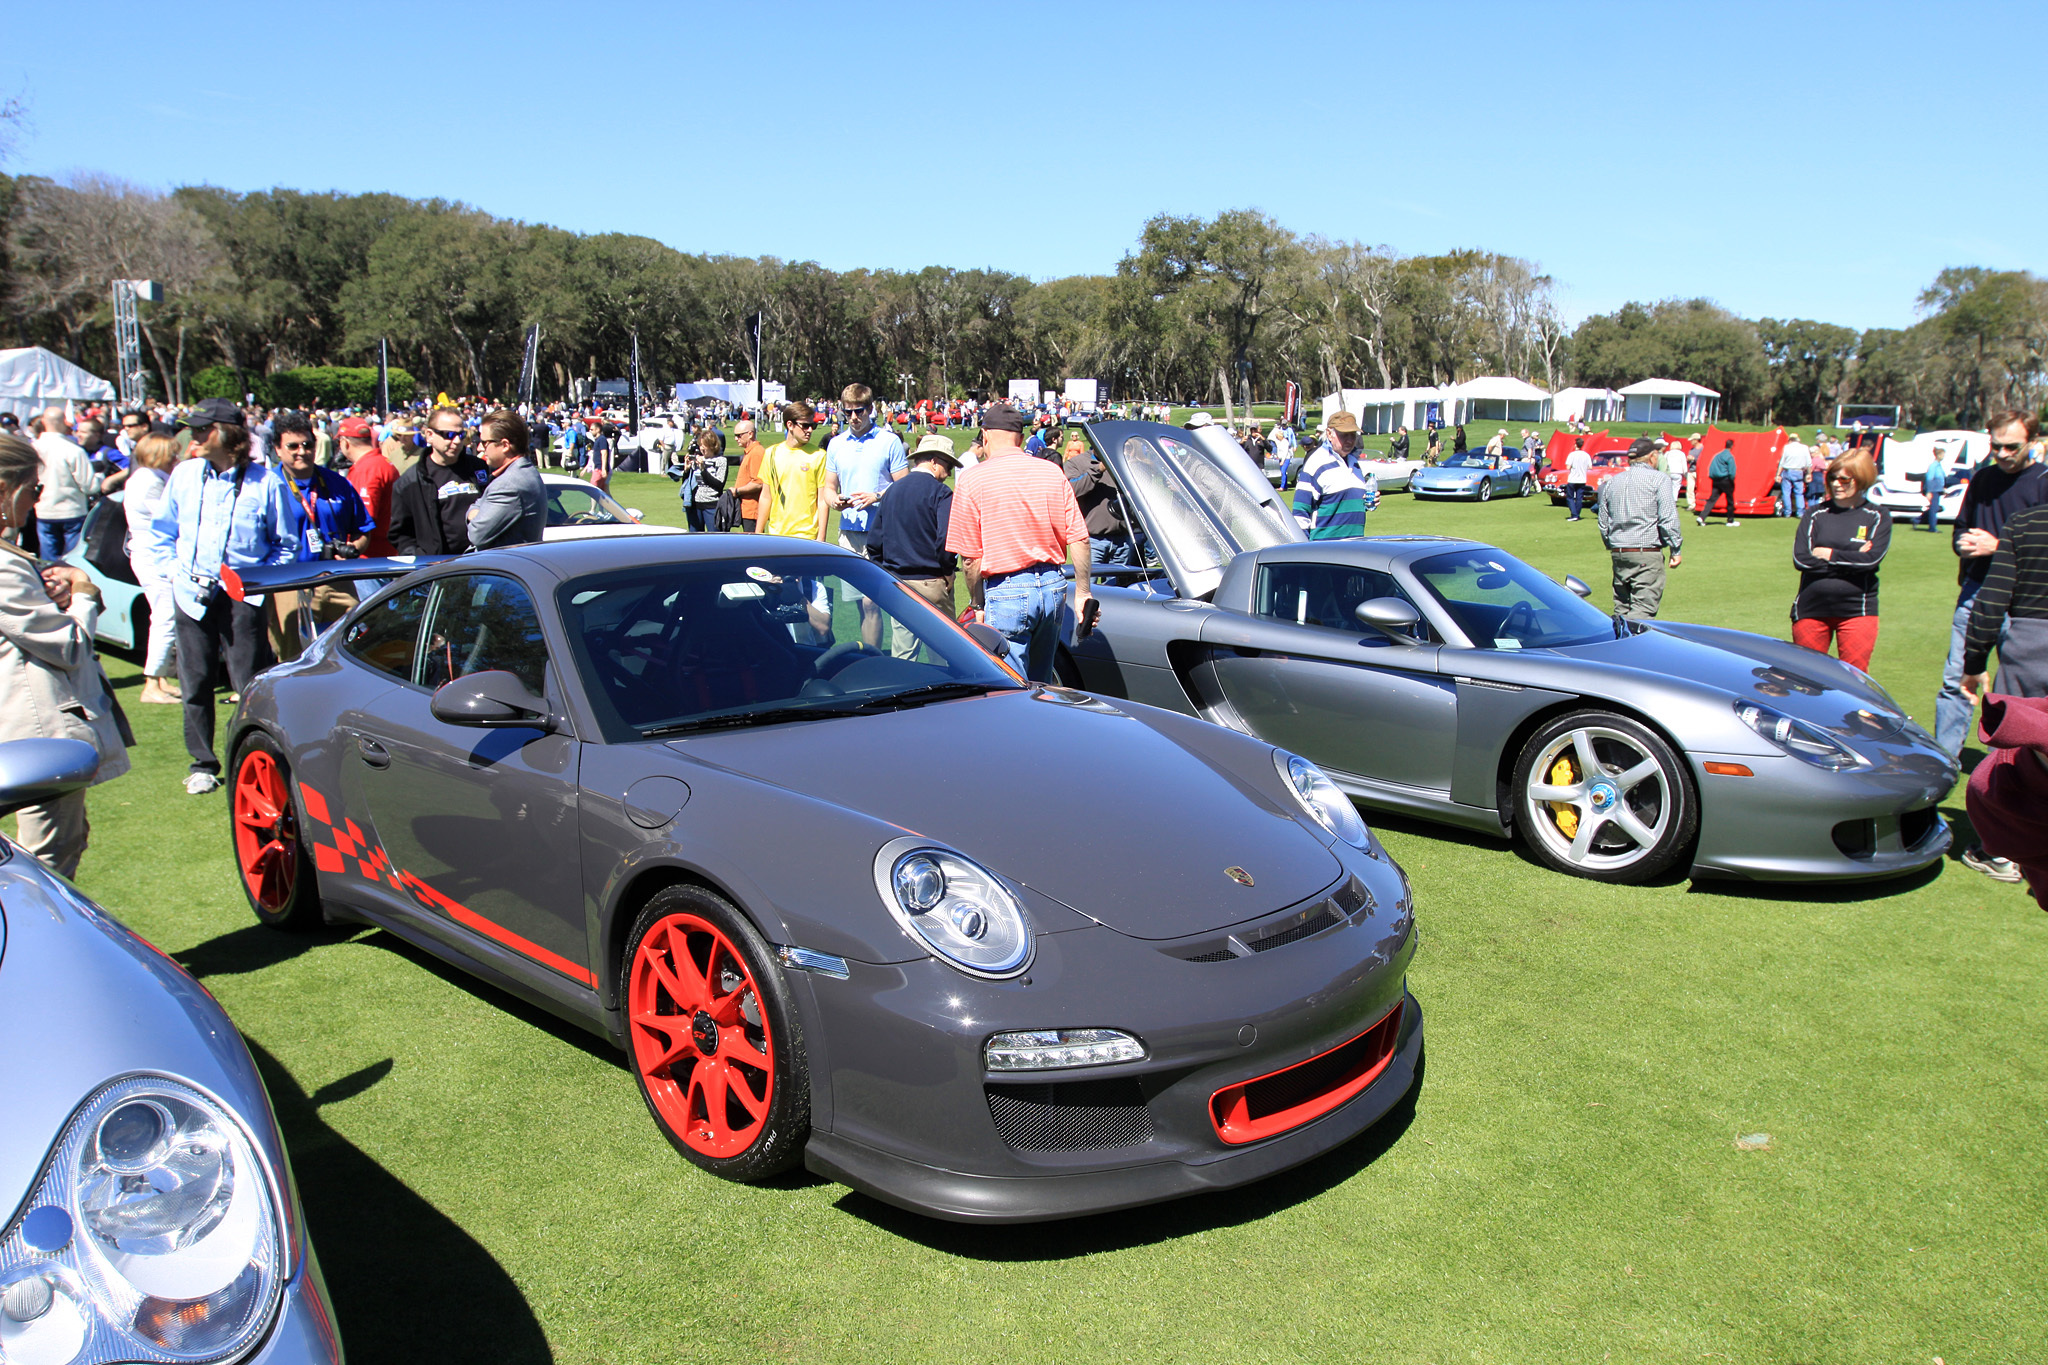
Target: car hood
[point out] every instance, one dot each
(1798, 682)
(98, 1003)
(1065, 793)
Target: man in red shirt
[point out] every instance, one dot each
(372, 476)
(1015, 521)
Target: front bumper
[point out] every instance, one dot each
(1432, 490)
(1795, 822)
(896, 1056)
(967, 1197)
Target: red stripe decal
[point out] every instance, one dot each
(327, 859)
(315, 804)
(469, 918)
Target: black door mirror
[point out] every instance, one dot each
(1577, 585)
(492, 699)
(33, 771)
(992, 641)
(1389, 616)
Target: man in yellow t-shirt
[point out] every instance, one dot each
(793, 480)
(793, 504)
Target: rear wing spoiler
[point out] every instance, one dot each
(311, 573)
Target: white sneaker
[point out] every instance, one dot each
(199, 784)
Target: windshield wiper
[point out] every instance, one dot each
(929, 692)
(773, 716)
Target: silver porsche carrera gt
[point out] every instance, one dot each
(1446, 678)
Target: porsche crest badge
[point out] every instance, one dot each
(1238, 875)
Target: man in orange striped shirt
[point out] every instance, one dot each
(1014, 523)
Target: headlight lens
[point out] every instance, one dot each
(1319, 796)
(1056, 1049)
(955, 907)
(154, 1235)
(1804, 742)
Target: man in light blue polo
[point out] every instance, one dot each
(860, 464)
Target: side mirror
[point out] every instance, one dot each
(1389, 616)
(1577, 585)
(491, 700)
(992, 641)
(33, 771)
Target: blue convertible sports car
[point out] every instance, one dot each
(1473, 474)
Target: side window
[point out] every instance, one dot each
(386, 637)
(1320, 594)
(483, 622)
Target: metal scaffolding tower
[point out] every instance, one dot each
(128, 335)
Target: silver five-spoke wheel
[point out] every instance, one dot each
(1602, 796)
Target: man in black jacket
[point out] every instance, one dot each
(430, 502)
(907, 531)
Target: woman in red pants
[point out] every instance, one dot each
(1837, 548)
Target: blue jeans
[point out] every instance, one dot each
(1105, 551)
(1575, 498)
(55, 536)
(1029, 608)
(1952, 710)
(1791, 495)
(1932, 516)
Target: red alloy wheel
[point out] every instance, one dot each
(266, 831)
(700, 1036)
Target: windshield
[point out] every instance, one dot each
(1183, 525)
(582, 505)
(674, 647)
(1476, 459)
(1502, 603)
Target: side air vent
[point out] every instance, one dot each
(1071, 1116)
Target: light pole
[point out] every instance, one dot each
(127, 335)
(904, 379)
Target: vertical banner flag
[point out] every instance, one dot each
(383, 377)
(528, 365)
(754, 353)
(1291, 413)
(633, 390)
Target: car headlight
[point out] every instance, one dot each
(1319, 796)
(1805, 742)
(1057, 1049)
(954, 906)
(153, 1235)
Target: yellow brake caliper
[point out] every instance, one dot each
(1564, 773)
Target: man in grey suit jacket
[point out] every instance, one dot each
(514, 507)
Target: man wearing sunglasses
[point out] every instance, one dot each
(793, 501)
(430, 502)
(860, 464)
(514, 508)
(335, 525)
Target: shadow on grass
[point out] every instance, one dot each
(1832, 893)
(1128, 1228)
(251, 948)
(407, 1282)
(1466, 838)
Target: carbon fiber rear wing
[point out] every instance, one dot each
(311, 573)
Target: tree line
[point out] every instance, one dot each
(1223, 309)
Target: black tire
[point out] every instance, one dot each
(265, 832)
(1633, 831)
(765, 1111)
(1486, 490)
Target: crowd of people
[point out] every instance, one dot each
(213, 488)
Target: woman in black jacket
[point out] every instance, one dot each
(1837, 549)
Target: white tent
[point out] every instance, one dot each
(1381, 410)
(32, 379)
(1590, 405)
(1671, 400)
(1497, 398)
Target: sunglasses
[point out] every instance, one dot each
(454, 435)
(294, 447)
(2007, 448)
(858, 412)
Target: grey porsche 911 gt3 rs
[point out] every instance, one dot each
(795, 842)
(1444, 677)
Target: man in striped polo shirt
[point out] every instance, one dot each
(1015, 521)
(1333, 494)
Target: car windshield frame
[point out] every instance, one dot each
(1467, 459)
(598, 496)
(656, 661)
(1476, 617)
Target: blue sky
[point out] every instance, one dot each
(1811, 160)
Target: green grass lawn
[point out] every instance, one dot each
(482, 1182)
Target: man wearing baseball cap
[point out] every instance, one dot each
(373, 477)
(1015, 521)
(1333, 493)
(907, 533)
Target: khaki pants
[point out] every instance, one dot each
(1638, 582)
(297, 616)
(55, 832)
(938, 592)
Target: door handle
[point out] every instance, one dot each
(373, 753)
